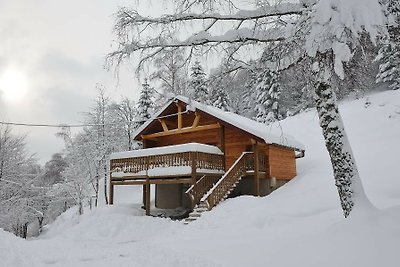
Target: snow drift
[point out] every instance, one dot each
(300, 224)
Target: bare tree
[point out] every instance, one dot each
(171, 71)
(16, 180)
(79, 173)
(125, 113)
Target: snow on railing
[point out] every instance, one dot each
(165, 150)
(208, 160)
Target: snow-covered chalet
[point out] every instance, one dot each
(198, 155)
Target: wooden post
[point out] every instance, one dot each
(147, 198)
(144, 143)
(222, 133)
(146, 187)
(144, 196)
(194, 157)
(256, 169)
(179, 116)
(111, 193)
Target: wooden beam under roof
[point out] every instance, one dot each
(164, 125)
(196, 120)
(182, 130)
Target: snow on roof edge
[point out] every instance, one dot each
(263, 131)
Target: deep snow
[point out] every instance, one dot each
(300, 224)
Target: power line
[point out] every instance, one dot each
(59, 125)
(83, 125)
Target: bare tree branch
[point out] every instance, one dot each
(151, 36)
(128, 17)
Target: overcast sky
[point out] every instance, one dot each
(51, 57)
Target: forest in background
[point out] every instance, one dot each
(34, 194)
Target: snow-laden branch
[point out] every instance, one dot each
(337, 26)
(152, 36)
(242, 36)
(10, 182)
(132, 17)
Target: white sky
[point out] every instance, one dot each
(51, 57)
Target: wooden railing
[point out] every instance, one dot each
(262, 162)
(196, 160)
(220, 190)
(197, 190)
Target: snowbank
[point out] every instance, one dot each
(300, 224)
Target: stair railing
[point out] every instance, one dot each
(221, 188)
(197, 190)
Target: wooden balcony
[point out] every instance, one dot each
(163, 165)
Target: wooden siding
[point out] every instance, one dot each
(236, 142)
(282, 162)
(210, 137)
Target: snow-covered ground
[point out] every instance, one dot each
(300, 224)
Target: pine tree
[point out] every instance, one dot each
(220, 99)
(198, 85)
(389, 67)
(267, 102)
(249, 94)
(389, 53)
(145, 103)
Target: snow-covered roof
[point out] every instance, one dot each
(271, 134)
(190, 147)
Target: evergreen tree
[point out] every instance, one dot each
(389, 53)
(220, 99)
(389, 56)
(267, 102)
(145, 103)
(198, 85)
(249, 94)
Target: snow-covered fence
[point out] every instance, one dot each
(188, 158)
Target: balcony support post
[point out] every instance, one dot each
(256, 169)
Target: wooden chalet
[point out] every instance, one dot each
(194, 153)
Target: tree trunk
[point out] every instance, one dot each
(97, 190)
(80, 204)
(24, 230)
(347, 180)
(105, 181)
(40, 220)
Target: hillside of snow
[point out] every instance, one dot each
(300, 224)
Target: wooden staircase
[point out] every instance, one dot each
(208, 195)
